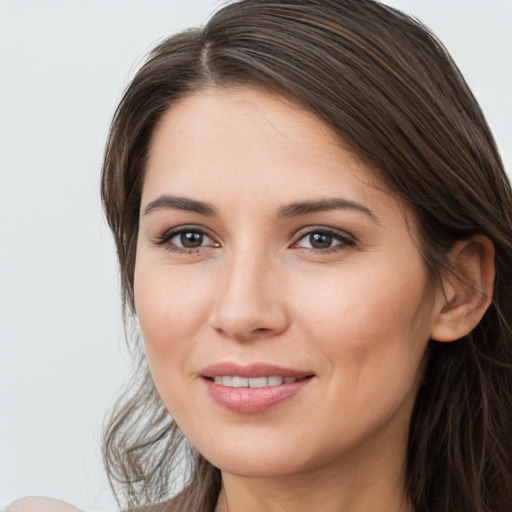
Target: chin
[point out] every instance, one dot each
(264, 466)
(257, 456)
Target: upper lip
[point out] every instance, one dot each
(252, 370)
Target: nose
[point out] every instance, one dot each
(250, 301)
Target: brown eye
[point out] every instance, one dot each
(191, 239)
(320, 240)
(325, 240)
(186, 240)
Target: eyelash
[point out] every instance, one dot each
(344, 240)
(165, 240)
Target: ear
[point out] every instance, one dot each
(466, 293)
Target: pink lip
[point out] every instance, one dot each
(252, 400)
(253, 370)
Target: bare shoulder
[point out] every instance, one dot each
(40, 504)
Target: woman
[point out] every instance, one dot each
(310, 212)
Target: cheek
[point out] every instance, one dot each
(372, 319)
(371, 331)
(171, 307)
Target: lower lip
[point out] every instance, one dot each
(253, 400)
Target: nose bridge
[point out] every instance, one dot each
(250, 301)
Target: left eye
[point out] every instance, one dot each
(190, 239)
(321, 239)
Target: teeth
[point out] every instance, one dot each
(227, 381)
(253, 382)
(239, 382)
(258, 382)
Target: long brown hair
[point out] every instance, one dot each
(389, 89)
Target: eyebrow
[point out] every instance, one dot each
(322, 205)
(166, 201)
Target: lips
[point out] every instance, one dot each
(255, 388)
(253, 370)
(235, 381)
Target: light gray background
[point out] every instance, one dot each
(63, 65)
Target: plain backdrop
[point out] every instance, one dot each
(63, 66)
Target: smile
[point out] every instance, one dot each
(252, 382)
(255, 388)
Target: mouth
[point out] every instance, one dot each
(255, 388)
(235, 381)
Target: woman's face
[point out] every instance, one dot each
(283, 301)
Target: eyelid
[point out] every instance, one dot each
(306, 230)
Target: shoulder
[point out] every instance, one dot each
(39, 504)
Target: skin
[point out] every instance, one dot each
(41, 504)
(357, 312)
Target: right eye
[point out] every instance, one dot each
(185, 240)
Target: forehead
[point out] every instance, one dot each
(253, 143)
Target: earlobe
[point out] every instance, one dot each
(466, 292)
